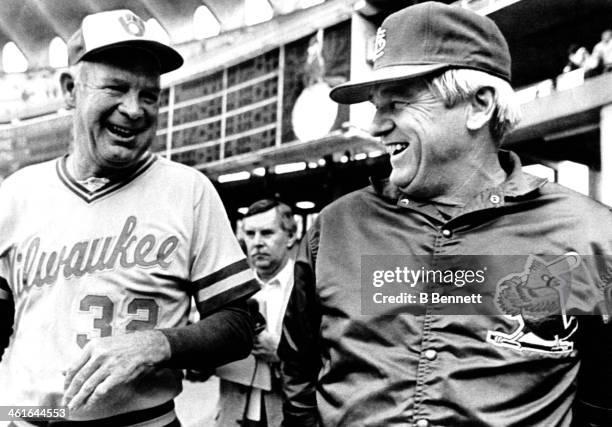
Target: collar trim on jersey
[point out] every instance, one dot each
(91, 196)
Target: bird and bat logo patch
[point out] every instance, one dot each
(536, 300)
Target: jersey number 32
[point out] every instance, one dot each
(106, 309)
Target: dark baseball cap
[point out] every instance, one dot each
(430, 37)
(119, 29)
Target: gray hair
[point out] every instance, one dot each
(76, 70)
(456, 85)
(284, 212)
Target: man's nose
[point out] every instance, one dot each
(381, 125)
(258, 239)
(131, 105)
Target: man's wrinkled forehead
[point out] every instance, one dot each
(404, 89)
(268, 219)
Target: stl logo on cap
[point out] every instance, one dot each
(132, 24)
(380, 43)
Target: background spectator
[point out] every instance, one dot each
(577, 57)
(602, 52)
(250, 390)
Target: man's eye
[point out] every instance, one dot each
(398, 105)
(115, 89)
(150, 98)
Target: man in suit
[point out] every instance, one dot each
(269, 232)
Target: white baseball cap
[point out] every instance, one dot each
(119, 28)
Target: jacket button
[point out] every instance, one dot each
(430, 354)
(422, 423)
(446, 232)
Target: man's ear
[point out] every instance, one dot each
(480, 109)
(68, 89)
(291, 240)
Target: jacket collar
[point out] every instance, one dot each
(516, 185)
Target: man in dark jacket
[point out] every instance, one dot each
(448, 295)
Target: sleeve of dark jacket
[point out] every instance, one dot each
(299, 346)
(593, 406)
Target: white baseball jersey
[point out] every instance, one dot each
(126, 257)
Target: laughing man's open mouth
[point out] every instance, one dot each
(396, 148)
(121, 131)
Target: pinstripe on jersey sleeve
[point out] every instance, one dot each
(220, 272)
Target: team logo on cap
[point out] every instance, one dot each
(380, 43)
(132, 24)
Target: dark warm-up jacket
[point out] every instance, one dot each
(348, 361)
